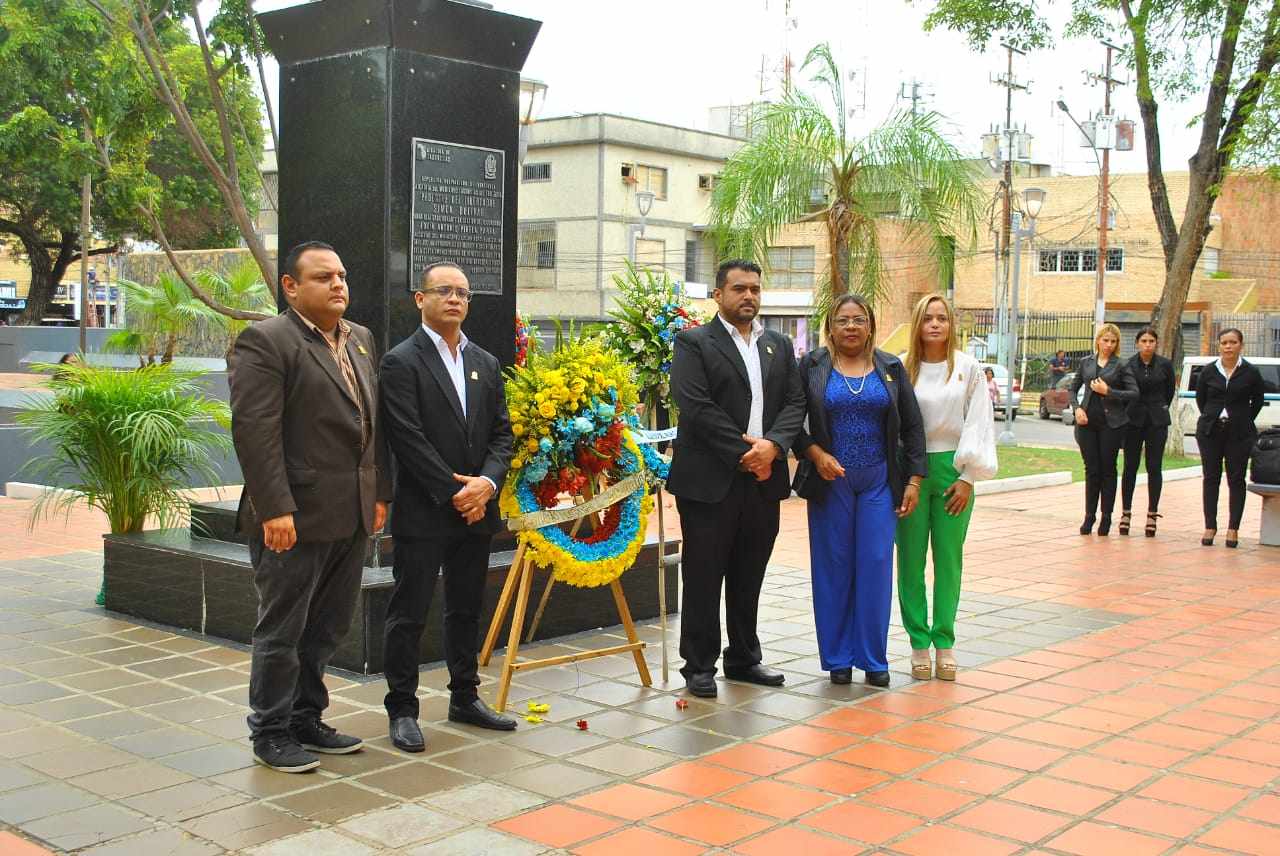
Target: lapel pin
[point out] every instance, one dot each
(768, 349)
(475, 376)
(888, 378)
(361, 349)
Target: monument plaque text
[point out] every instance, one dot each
(457, 211)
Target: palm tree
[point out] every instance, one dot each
(160, 315)
(244, 289)
(801, 165)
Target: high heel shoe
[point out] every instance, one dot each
(1208, 541)
(1087, 526)
(1125, 517)
(1152, 517)
(1232, 542)
(1104, 525)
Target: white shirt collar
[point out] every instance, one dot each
(756, 327)
(442, 345)
(1222, 369)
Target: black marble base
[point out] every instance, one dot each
(206, 585)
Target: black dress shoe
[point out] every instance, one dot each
(406, 735)
(756, 674)
(878, 679)
(702, 686)
(476, 712)
(842, 676)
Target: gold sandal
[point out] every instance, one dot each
(946, 668)
(921, 665)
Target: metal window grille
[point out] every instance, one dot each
(537, 245)
(691, 261)
(1115, 259)
(1089, 260)
(537, 172)
(1048, 261)
(1069, 261)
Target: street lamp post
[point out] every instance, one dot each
(532, 94)
(644, 204)
(1024, 229)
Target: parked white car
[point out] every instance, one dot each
(1002, 383)
(1191, 368)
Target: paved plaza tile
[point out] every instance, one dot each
(1115, 695)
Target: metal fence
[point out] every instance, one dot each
(1261, 332)
(1040, 336)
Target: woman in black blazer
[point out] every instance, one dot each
(861, 410)
(1230, 396)
(1148, 426)
(1100, 421)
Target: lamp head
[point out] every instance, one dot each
(1033, 199)
(532, 94)
(644, 202)
(1062, 105)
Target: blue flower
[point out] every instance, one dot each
(536, 472)
(583, 425)
(605, 411)
(545, 444)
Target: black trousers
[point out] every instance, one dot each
(725, 544)
(1215, 450)
(417, 563)
(1153, 438)
(306, 598)
(1100, 447)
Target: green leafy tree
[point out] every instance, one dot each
(803, 152)
(72, 102)
(160, 316)
(1163, 42)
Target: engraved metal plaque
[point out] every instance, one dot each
(456, 211)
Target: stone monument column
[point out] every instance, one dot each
(399, 144)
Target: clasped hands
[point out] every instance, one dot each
(758, 460)
(470, 502)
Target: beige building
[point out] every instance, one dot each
(579, 221)
(1059, 266)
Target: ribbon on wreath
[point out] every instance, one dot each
(643, 437)
(599, 502)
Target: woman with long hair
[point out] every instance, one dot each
(960, 441)
(1148, 426)
(1101, 417)
(1229, 393)
(861, 412)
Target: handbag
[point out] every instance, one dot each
(1264, 464)
(808, 483)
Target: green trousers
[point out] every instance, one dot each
(930, 522)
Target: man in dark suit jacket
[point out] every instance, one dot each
(446, 420)
(304, 420)
(741, 405)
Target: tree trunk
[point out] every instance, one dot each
(46, 272)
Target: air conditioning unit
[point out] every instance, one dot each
(708, 181)
(629, 173)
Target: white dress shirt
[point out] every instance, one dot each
(751, 356)
(453, 365)
(957, 415)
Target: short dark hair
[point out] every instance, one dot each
(290, 265)
(426, 271)
(1146, 331)
(1239, 335)
(1060, 351)
(722, 272)
(863, 303)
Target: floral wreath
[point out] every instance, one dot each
(571, 412)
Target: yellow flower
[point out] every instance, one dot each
(547, 409)
(531, 444)
(517, 428)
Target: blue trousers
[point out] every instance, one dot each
(851, 533)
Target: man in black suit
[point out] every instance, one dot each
(304, 421)
(446, 420)
(741, 404)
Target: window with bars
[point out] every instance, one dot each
(691, 261)
(791, 267)
(537, 172)
(537, 245)
(1077, 260)
(652, 179)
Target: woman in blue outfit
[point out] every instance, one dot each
(861, 411)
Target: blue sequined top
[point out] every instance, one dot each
(857, 421)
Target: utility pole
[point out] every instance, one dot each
(1104, 195)
(914, 97)
(86, 193)
(1010, 83)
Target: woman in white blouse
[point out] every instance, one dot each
(960, 440)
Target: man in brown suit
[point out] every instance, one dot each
(304, 403)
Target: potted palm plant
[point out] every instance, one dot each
(125, 442)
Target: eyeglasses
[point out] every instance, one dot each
(445, 291)
(859, 322)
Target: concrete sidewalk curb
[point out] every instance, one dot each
(984, 488)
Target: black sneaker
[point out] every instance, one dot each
(283, 753)
(318, 737)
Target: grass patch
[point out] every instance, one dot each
(1034, 460)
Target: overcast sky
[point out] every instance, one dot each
(671, 60)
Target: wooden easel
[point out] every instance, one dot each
(519, 583)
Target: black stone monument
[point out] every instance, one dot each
(399, 146)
